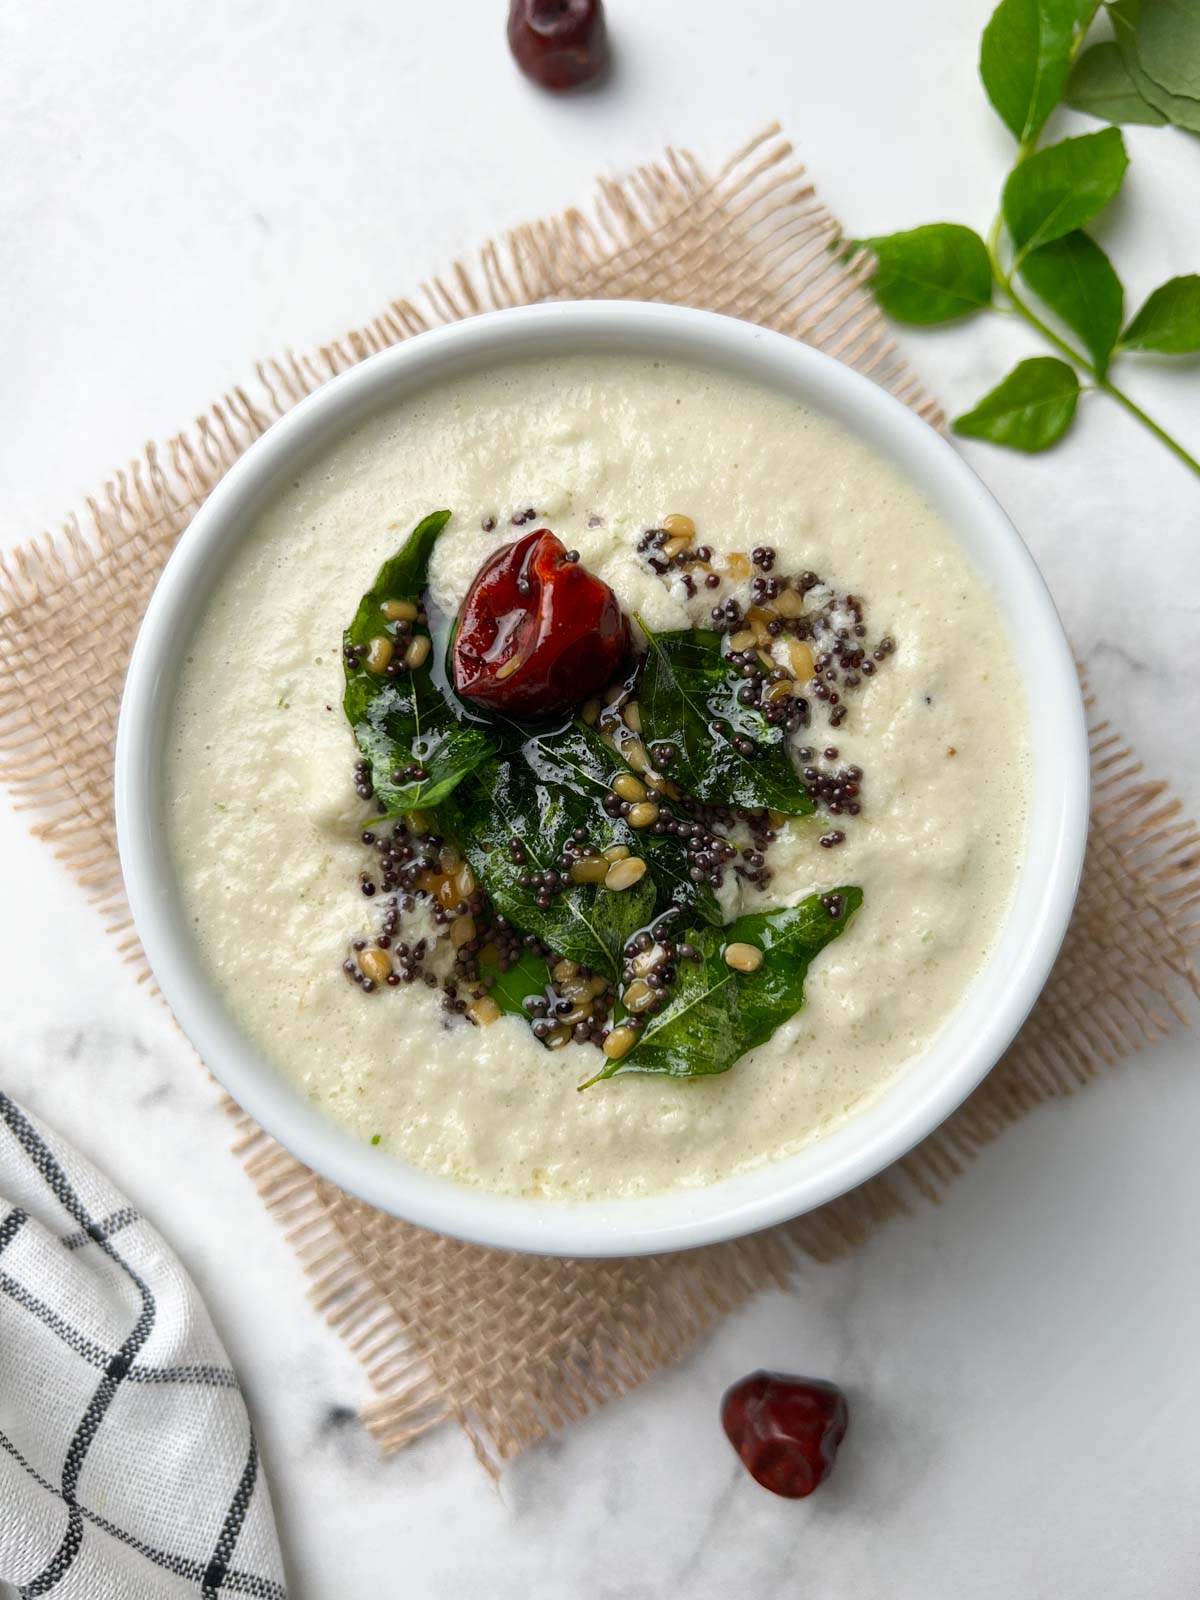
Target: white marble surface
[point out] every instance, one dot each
(184, 190)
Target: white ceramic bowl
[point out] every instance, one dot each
(930, 1088)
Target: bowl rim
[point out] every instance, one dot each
(870, 1139)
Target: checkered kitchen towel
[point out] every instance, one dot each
(128, 1467)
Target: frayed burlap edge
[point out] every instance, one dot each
(515, 1346)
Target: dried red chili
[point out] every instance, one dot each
(786, 1430)
(537, 633)
(558, 43)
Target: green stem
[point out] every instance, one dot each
(1161, 434)
(1102, 381)
(1047, 333)
(1019, 306)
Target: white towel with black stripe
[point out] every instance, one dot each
(128, 1467)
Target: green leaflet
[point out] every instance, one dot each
(716, 1014)
(931, 274)
(1170, 319)
(1181, 109)
(410, 717)
(540, 795)
(1078, 282)
(1168, 45)
(688, 698)
(1062, 188)
(1030, 410)
(1102, 86)
(1024, 59)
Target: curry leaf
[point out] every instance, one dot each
(1101, 84)
(540, 797)
(409, 718)
(517, 983)
(402, 576)
(688, 698)
(504, 804)
(1181, 109)
(1168, 45)
(1062, 188)
(1024, 59)
(577, 759)
(1170, 319)
(1078, 282)
(1029, 411)
(715, 1013)
(931, 274)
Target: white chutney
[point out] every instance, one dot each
(264, 820)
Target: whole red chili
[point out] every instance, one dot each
(786, 1430)
(537, 633)
(558, 43)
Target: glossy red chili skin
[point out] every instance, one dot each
(537, 633)
(786, 1430)
(558, 43)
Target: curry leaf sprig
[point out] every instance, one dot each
(1037, 261)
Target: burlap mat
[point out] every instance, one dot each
(514, 1346)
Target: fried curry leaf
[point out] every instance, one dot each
(540, 796)
(579, 758)
(409, 718)
(402, 576)
(505, 803)
(688, 698)
(715, 1014)
(523, 979)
